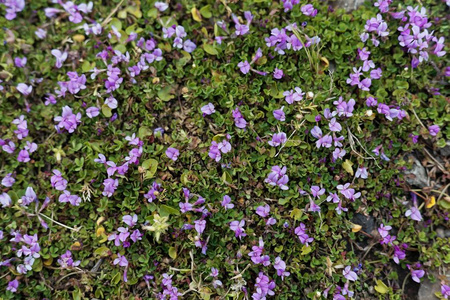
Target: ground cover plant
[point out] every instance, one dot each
(223, 149)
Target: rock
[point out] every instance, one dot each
(416, 175)
(348, 5)
(367, 222)
(446, 150)
(427, 288)
(440, 233)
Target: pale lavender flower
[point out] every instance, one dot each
(20, 62)
(172, 153)
(349, 274)
(361, 172)
(57, 181)
(24, 89)
(5, 200)
(226, 202)
(8, 180)
(200, 226)
(263, 211)
(12, 286)
(41, 33)
(92, 112)
(130, 220)
(238, 228)
(434, 130)
(278, 74)
(161, 6)
(278, 139)
(279, 114)
(244, 66)
(60, 57)
(414, 213)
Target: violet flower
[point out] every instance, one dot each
(172, 153)
(226, 202)
(238, 228)
(434, 130)
(279, 114)
(349, 274)
(208, 109)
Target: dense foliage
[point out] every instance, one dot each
(221, 149)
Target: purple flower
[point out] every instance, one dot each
(57, 181)
(121, 260)
(67, 197)
(414, 213)
(416, 274)
(291, 96)
(376, 73)
(200, 226)
(68, 120)
(264, 287)
(189, 46)
(434, 130)
(278, 139)
(280, 267)
(12, 286)
(20, 62)
(226, 202)
(244, 66)
(361, 173)
(5, 200)
(66, 260)
(161, 6)
(60, 57)
(334, 125)
(29, 197)
(349, 274)
(110, 186)
(308, 10)
(130, 220)
(399, 254)
(278, 177)
(214, 151)
(41, 33)
(8, 180)
(239, 120)
(304, 238)
(279, 114)
(92, 112)
(445, 291)
(278, 74)
(208, 109)
(23, 156)
(316, 191)
(263, 211)
(24, 89)
(238, 228)
(172, 153)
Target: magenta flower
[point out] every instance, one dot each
(349, 274)
(244, 66)
(399, 254)
(416, 274)
(172, 153)
(434, 130)
(208, 109)
(238, 228)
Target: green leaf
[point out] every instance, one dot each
(210, 49)
(116, 278)
(151, 165)
(165, 210)
(292, 143)
(381, 287)
(173, 252)
(106, 110)
(306, 250)
(165, 93)
(226, 177)
(347, 165)
(102, 251)
(206, 11)
(116, 23)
